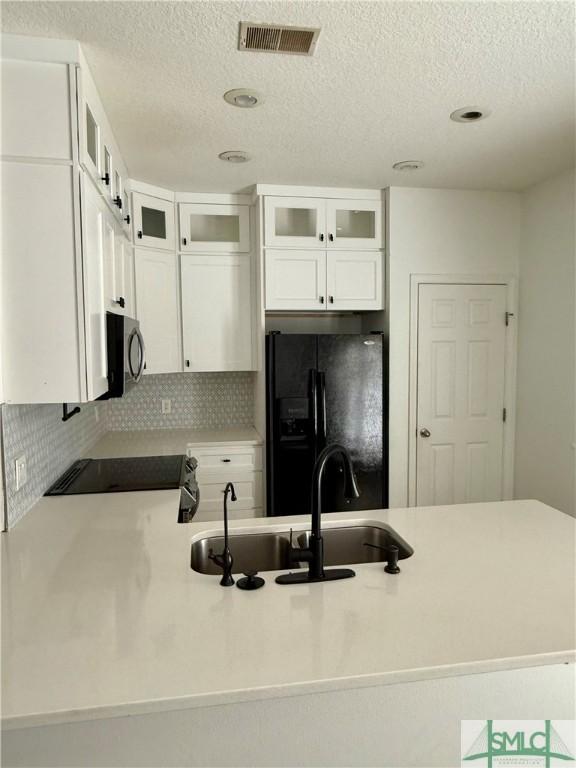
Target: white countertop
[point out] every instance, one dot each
(102, 615)
(166, 442)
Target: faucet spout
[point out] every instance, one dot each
(314, 554)
(351, 490)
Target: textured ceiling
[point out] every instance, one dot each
(380, 88)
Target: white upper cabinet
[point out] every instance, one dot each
(207, 227)
(97, 239)
(217, 313)
(98, 153)
(295, 280)
(323, 280)
(354, 223)
(296, 222)
(118, 270)
(91, 142)
(157, 305)
(354, 280)
(153, 221)
(36, 110)
(308, 222)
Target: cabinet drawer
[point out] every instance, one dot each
(222, 459)
(248, 493)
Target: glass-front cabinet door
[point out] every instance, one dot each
(224, 228)
(354, 223)
(297, 222)
(91, 146)
(153, 221)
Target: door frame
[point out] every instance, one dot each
(511, 284)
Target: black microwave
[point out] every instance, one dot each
(126, 354)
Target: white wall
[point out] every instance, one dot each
(437, 231)
(545, 434)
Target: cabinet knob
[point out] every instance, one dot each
(118, 201)
(331, 299)
(106, 179)
(321, 299)
(139, 233)
(184, 241)
(127, 219)
(321, 237)
(226, 461)
(331, 237)
(424, 432)
(187, 363)
(121, 301)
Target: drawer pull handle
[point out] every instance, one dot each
(226, 461)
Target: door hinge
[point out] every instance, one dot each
(504, 414)
(507, 316)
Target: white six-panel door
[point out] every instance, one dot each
(460, 393)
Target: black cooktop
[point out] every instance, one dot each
(141, 473)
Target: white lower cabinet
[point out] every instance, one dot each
(217, 313)
(324, 280)
(157, 309)
(221, 464)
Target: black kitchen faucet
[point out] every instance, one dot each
(314, 553)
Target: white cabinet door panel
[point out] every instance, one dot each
(157, 309)
(217, 312)
(461, 369)
(354, 224)
(248, 489)
(297, 222)
(295, 280)
(93, 232)
(354, 280)
(224, 228)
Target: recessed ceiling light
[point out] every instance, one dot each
(469, 114)
(245, 98)
(408, 165)
(234, 156)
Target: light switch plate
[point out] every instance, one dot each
(166, 406)
(21, 471)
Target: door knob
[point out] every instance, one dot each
(424, 432)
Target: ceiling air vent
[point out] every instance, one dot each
(275, 39)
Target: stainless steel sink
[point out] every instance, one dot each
(344, 545)
(251, 552)
(348, 545)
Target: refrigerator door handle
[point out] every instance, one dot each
(322, 407)
(314, 402)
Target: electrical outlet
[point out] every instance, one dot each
(166, 406)
(21, 471)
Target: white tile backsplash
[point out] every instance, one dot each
(49, 444)
(198, 400)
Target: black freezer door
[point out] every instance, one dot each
(351, 394)
(291, 418)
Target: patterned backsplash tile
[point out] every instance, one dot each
(198, 400)
(49, 444)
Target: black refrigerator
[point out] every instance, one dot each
(321, 389)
